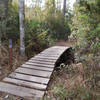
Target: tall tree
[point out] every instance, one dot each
(64, 10)
(6, 7)
(22, 33)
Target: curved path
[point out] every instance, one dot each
(31, 79)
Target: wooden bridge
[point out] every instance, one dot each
(32, 78)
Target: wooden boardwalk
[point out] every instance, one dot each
(31, 79)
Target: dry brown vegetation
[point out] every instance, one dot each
(5, 68)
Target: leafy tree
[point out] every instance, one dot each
(86, 23)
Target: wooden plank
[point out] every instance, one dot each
(55, 53)
(34, 72)
(20, 91)
(28, 78)
(38, 68)
(49, 53)
(60, 47)
(40, 59)
(42, 62)
(40, 65)
(47, 57)
(26, 84)
(55, 49)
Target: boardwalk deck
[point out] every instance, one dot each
(31, 79)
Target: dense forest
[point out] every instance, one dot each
(43, 23)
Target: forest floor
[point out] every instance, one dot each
(66, 83)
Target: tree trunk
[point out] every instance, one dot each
(64, 10)
(6, 7)
(54, 6)
(0, 45)
(21, 20)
